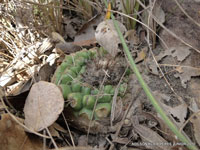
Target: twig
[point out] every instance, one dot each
(72, 139)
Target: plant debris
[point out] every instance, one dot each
(43, 105)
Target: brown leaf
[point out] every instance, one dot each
(43, 105)
(187, 73)
(179, 112)
(151, 139)
(158, 12)
(141, 55)
(55, 129)
(13, 136)
(107, 36)
(57, 37)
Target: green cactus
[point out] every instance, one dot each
(76, 69)
(107, 89)
(86, 90)
(102, 110)
(105, 99)
(66, 90)
(82, 98)
(75, 100)
(86, 113)
(67, 77)
(89, 101)
(76, 86)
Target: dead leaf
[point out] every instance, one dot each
(59, 128)
(87, 31)
(196, 127)
(43, 105)
(13, 136)
(178, 112)
(57, 37)
(55, 129)
(186, 75)
(151, 139)
(141, 55)
(178, 51)
(107, 36)
(158, 12)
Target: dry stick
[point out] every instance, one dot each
(170, 65)
(125, 114)
(1, 53)
(44, 140)
(72, 139)
(54, 143)
(101, 86)
(153, 23)
(170, 32)
(181, 8)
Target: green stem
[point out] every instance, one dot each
(147, 91)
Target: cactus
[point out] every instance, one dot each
(66, 90)
(86, 90)
(75, 100)
(107, 89)
(122, 88)
(89, 101)
(67, 77)
(102, 110)
(76, 69)
(105, 99)
(86, 113)
(82, 98)
(76, 87)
